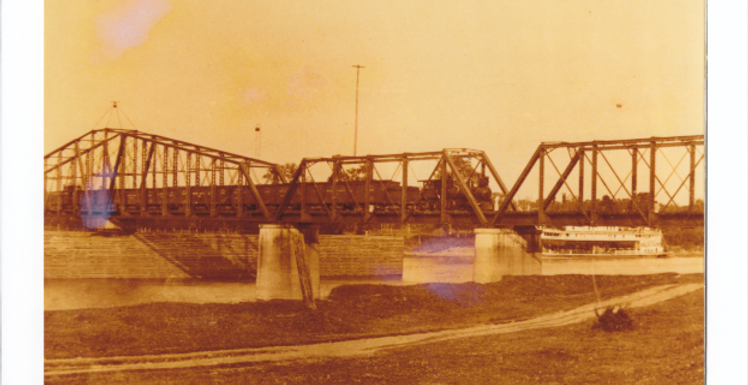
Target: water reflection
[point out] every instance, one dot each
(691, 265)
(64, 294)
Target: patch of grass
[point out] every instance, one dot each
(351, 311)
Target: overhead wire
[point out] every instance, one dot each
(100, 119)
(128, 119)
(119, 120)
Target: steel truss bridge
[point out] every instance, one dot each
(145, 180)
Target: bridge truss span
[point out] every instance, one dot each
(147, 180)
(385, 189)
(618, 182)
(129, 173)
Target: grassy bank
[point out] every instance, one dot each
(352, 311)
(665, 347)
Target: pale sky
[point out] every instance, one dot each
(500, 76)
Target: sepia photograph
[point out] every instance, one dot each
(389, 192)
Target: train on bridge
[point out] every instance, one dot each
(152, 181)
(384, 197)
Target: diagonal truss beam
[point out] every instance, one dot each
(465, 189)
(683, 182)
(562, 180)
(513, 192)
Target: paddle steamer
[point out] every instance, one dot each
(602, 242)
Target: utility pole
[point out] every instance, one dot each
(257, 141)
(355, 129)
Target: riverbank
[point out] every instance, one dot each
(666, 345)
(350, 311)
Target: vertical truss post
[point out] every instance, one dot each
(154, 172)
(581, 179)
(334, 197)
(89, 176)
(122, 182)
(59, 183)
(75, 200)
(116, 177)
(175, 169)
(84, 179)
(652, 179)
(84, 172)
(303, 193)
(541, 180)
(144, 158)
(90, 157)
(74, 169)
(86, 176)
(593, 192)
(368, 167)
(213, 210)
(221, 170)
(443, 196)
(404, 194)
(135, 163)
(188, 185)
(146, 168)
(165, 184)
(634, 175)
(106, 155)
(141, 187)
(86, 196)
(240, 191)
(692, 178)
(87, 181)
(198, 167)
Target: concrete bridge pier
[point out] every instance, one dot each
(277, 271)
(500, 252)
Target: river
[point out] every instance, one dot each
(66, 294)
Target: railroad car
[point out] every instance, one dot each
(384, 196)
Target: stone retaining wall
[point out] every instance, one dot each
(77, 254)
(359, 255)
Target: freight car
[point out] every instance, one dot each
(350, 197)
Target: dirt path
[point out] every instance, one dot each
(367, 346)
